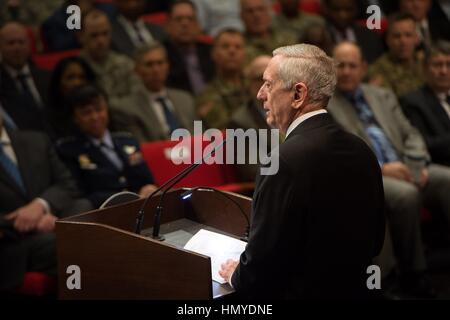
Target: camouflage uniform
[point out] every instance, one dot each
(256, 46)
(401, 79)
(299, 25)
(116, 76)
(225, 98)
(30, 13)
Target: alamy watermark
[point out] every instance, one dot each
(239, 147)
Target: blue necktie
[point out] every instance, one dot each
(11, 169)
(171, 120)
(383, 148)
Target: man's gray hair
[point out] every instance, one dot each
(308, 64)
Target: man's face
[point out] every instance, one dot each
(277, 100)
(351, 68)
(255, 74)
(342, 12)
(437, 72)
(182, 26)
(131, 9)
(92, 119)
(402, 39)
(256, 16)
(14, 45)
(96, 37)
(417, 8)
(229, 52)
(72, 77)
(153, 68)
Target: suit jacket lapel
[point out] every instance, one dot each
(149, 115)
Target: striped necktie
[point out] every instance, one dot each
(11, 169)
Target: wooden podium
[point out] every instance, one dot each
(116, 263)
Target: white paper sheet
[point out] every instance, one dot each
(218, 247)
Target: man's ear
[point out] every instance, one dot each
(300, 93)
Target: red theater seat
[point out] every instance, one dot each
(48, 61)
(37, 284)
(158, 18)
(221, 176)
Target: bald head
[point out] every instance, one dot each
(14, 45)
(351, 66)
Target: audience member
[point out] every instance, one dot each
(104, 163)
(428, 108)
(400, 69)
(114, 71)
(68, 74)
(23, 86)
(129, 31)
(190, 60)
(217, 15)
(374, 115)
(261, 36)
(342, 24)
(155, 110)
(56, 35)
(35, 190)
(228, 91)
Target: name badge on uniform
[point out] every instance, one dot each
(86, 163)
(134, 156)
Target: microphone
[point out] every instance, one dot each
(166, 187)
(188, 194)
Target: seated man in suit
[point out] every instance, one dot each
(35, 190)
(375, 115)
(190, 59)
(155, 110)
(341, 19)
(129, 31)
(23, 87)
(428, 108)
(318, 220)
(104, 163)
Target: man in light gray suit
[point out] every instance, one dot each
(374, 115)
(154, 111)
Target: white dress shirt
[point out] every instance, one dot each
(130, 29)
(158, 108)
(302, 118)
(443, 100)
(29, 80)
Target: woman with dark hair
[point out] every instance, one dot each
(68, 74)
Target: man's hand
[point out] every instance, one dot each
(228, 269)
(47, 223)
(147, 189)
(26, 218)
(424, 177)
(397, 170)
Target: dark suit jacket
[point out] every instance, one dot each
(178, 76)
(425, 112)
(96, 174)
(122, 43)
(26, 114)
(438, 22)
(317, 223)
(369, 41)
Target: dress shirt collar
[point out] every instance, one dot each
(107, 140)
(302, 118)
(4, 137)
(14, 73)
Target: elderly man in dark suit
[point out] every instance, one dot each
(428, 108)
(23, 86)
(317, 222)
(35, 190)
(375, 115)
(129, 31)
